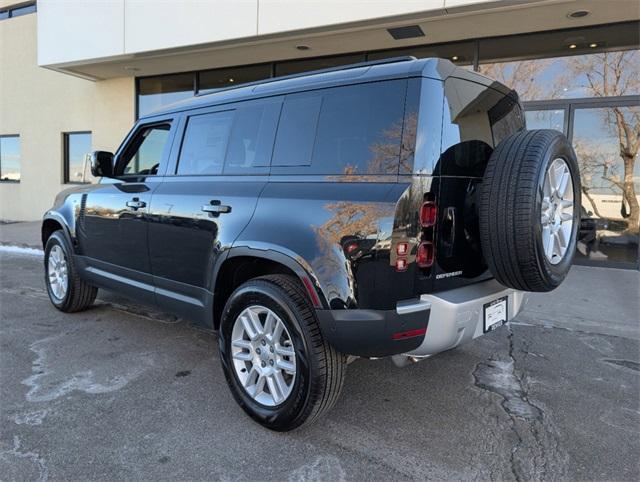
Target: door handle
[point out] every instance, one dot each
(215, 208)
(136, 204)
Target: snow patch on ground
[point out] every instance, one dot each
(21, 250)
(31, 418)
(321, 469)
(58, 370)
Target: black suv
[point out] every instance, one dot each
(395, 208)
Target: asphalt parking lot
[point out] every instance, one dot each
(124, 392)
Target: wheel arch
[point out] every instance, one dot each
(243, 263)
(52, 222)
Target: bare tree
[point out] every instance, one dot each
(523, 77)
(614, 74)
(607, 74)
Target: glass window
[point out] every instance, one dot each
(205, 143)
(251, 142)
(156, 92)
(606, 143)
(359, 129)
(545, 119)
(476, 112)
(345, 130)
(77, 146)
(297, 130)
(297, 66)
(144, 155)
(10, 158)
(211, 80)
(24, 10)
(459, 53)
(596, 75)
(600, 61)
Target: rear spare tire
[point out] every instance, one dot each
(530, 210)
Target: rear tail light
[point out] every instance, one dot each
(425, 254)
(428, 213)
(402, 249)
(401, 264)
(350, 247)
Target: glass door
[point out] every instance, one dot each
(605, 134)
(606, 139)
(547, 118)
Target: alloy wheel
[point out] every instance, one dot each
(57, 271)
(263, 356)
(557, 210)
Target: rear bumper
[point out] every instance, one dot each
(457, 316)
(375, 333)
(449, 318)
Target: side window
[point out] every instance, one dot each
(251, 141)
(360, 129)
(205, 143)
(297, 130)
(144, 154)
(352, 130)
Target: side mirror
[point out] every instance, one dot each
(102, 164)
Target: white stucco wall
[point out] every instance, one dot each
(76, 30)
(40, 105)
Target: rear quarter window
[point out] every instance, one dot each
(351, 130)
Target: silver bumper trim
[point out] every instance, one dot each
(457, 315)
(412, 306)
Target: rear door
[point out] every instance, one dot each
(220, 164)
(476, 117)
(113, 223)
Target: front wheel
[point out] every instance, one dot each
(278, 366)
(67, 291)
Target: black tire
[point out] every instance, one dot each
(510, 208)
(79, 295)
(320, 369)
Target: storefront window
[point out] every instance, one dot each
(156, 92)
(459, 53)
(211, 80)
(305, 65)
(545, 119)
(606, 74)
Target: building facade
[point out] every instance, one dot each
(74, 75)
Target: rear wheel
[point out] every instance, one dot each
(530, 210)
(66, 290)
(277, 364)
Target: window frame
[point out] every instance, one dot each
(65, 156)
(132, 137)
(173, 168)
(10, 181)
(18, 10)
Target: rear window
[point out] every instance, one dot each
(476, 119)
(353, 130)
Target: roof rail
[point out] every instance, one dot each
(368, 63)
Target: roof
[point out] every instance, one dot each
(393, 68)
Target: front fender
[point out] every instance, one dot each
(64, 212)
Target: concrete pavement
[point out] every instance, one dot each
(123, 391)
